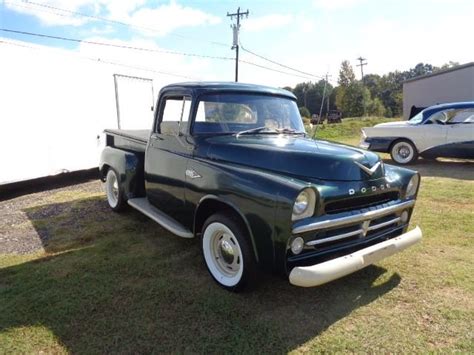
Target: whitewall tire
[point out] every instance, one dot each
(403, 152)
(226, 252)
(114, 191)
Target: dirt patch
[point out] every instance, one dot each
(17, 233)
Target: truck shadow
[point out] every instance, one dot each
(454, 169)
(120, 283)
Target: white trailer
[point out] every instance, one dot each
(55, 104)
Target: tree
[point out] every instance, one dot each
(310, 95)
(372, 82)
(447, 65)
(421, 69)
(300, 91)
(304, 112)
(355, 100)
(339, 96)
(376, 108)
(346, 74)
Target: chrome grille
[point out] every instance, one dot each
(360, 202)
(362, 230)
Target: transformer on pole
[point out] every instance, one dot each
(235, 42)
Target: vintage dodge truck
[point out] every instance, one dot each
(231, 164)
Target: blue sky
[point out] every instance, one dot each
(313, 36)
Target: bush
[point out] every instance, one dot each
(376, 108)
(304, 112)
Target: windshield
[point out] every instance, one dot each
(417, 119)
(233, 113)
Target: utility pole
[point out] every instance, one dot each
(324, 95)
(322, 103)
(361, 65)
(235, 45)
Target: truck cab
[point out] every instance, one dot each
(231, 165)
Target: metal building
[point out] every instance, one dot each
(450, 85)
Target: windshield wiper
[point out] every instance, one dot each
(289, 131)
(268, 131)
(250, 131)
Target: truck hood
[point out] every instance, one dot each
(293, 155)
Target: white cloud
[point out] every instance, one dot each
(267, 22)
(45, 10)
(336, 4)
(165, 18)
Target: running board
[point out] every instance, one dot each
(159, 217)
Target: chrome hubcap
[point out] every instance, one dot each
(112, 188)
(404, 152)
(115, 189)
(226, 253)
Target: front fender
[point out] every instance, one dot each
(253, 193)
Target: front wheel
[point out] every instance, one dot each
(403, 152)
(227, 254)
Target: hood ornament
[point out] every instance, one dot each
(367, 170)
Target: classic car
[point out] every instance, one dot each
(230, 165)
(445, 130)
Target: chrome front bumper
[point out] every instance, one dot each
(315, 275)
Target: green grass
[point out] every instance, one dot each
(349, 131)
(119, 283)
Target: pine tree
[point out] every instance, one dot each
(346, 74)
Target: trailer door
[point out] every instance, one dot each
(134, 99)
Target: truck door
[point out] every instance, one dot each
(167, 155)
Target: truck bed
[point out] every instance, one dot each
(129, 139)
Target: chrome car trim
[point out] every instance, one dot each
(353, 233)
(330, 221)
(336, 237)
(384, 224)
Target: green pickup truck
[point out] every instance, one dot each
(231, 165)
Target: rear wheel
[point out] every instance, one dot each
(227, 254)
(403, 152)
(114, 191)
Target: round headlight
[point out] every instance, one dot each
(412, 185)
(301, 203)
(304, 204)
(297, 245)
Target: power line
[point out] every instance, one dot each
(144, 49)
(100, 60)
(103, 19)
(108, 44)
(274, 70)
(280, 64)
(63, 12)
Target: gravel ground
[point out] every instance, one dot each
(17, 233)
